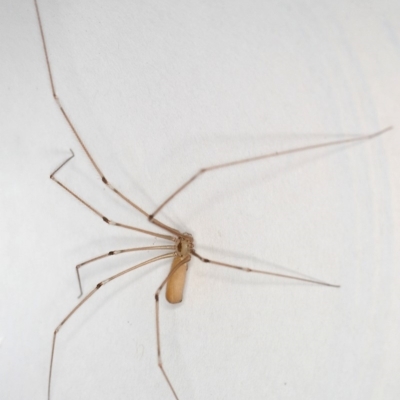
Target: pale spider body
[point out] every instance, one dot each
(176, 283)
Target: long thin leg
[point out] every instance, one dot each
(159, 359)
(115, 252)
(245, 269)
(105, 219)
(262, 157)
(90, 294)
(68, 120)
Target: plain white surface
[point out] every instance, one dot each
(157, 91)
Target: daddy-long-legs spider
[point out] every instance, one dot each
(181, 243)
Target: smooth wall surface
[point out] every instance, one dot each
(158, 90)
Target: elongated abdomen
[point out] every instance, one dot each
(176, 282)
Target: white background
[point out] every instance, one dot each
(157, 91)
